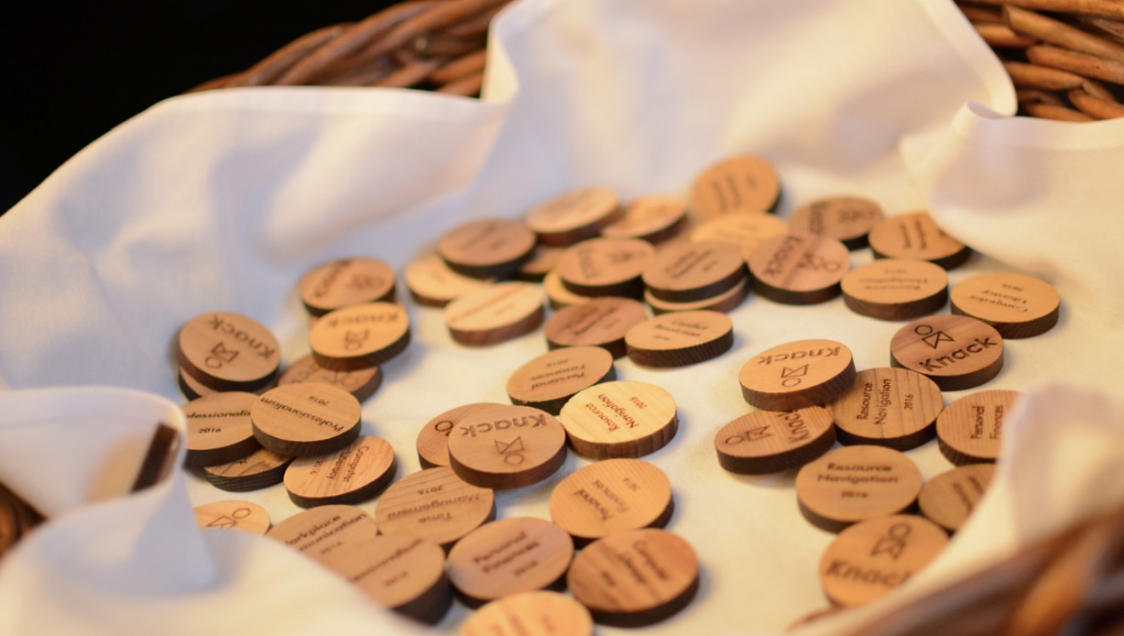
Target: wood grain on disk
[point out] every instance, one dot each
(193, 390)
(362, 383)
(735, 184)
(542, 260)
(509, 556)
(557, 293)
(848, 219)
(359, 336)
(897, 408)
(530, 614)
(347, 281)
(692, 271)
(433, 284)
(433, 438)
(620, 419)
(601, 322)
(435, 504)
(680, 338)
(949, 498)
(319, 532)
(1018, 306)
(233, 515)
(799, 269)
(353, 474)
(400, 572)
(956, 352)
(487, 248)
(725, 302)
(854, 483)
(219, 429)
(611, 496)
(797, 374)
(916, 236)
(970, 430)
(654, 218)
(605, 267)
(261, 469)
(746, 230)
(764, 442)
(573, 216)
(228, 352)
(305, 419)
(496, 314)
(504, 447)
(550, 380)
(635, 578)
(896, 289)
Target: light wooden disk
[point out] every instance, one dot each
(854, 483)
(895, 289)
(219, 429)
(506, 557)
(433, 438)
(496, 314)
(611, 496)
(620, 419)
(956, 352)
(435, 504)
(433, 284)
(503, 447)
(1018, 306)
(870, 559)
(193, 390)
(487, 248)
(551, 379)
(916, 236)
(848, 219)
(530, 614)
(897, 408)
(347, 281)
(360, 336)
(305, 419)
(735, 184)
(654, 218)
(362, 383)
(261, 469)
(233, 515)
(355, 473)
(797, 374)
(324, 530)
(692, 271)
(557, 293)
(635, 578)
(680, 339)
(725, 302)
(228, 352)
(542, 260)
(746, 230)
(799, 269)
(949, 498)
(970, 430)
(601, 322)
(400, 572)
(764, 442)
(574, 216)
(605, 267)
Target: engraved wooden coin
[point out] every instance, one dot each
(735, 184)
(548, 381)
(654, 218)
(487, 248)
(895, 289)
(897, 408)
(679, 339)
(360, 336)
(764, 442)
(530, 614)
(433, 438)
(355, 473)
(611, 496)
(503, 447)
(601, 322)
(400, 572)
(797, 374)
(233, 515)
(557, 293)
(605, 267)
(970, 430)
(692, 271)
(260, 469)
(956, 352)
(435, 504)
(574, 216)
(949, 498)
(219, 429)
(542, 260)
(635, 578)
(347, 281)
(916, 236)
(228, 352)
(433, 284)
(746, 230)
(848, 219)
(870, 559)
(305, 419)
(854, 483)
(362, 383)
(799, 269)
(192, 389)
(620, 419)
(496, 314)
(506, 557)
(1018, 306)
(324, 530)
(725, 302)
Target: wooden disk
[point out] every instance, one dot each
(502, 447)
(746, 230)
(620, 419)
(530, 614)
(574, 216)
(433, 284)
(611, 496)
(219, 429)
(435, 504)
(725, 302)
(692, 271)
(1018, 306)
(496, 314)
(895, 289)
(635, 578)
(193, 390)
(870, 559)
(799, 269)
(680, 339)
(654, 218)
(735, 184)
(305, 419)
(949, 498)
(433, 438)
(542, 260)
(797, 374)
(360, 336)
(601, 322)
(261, 469)
(228, 352)
(347, 281)
(970, 430)
(557, 293)
(550, 380)
(321, 531)
(487, 248)
(355, 473)
(605, 267)
(764, 442)
(854, 483)
(362, 383)
(897, 408)
(848, 219)
(506, 557)
(956, 352)
(233, 515)
(916, 236)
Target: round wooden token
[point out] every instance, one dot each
(433, 438)
(261, 469)
(611, 496)
(725, 302)
(848, 219)
(797, 374)
(487, 248)
(347, 281)
(360, 336)
(735, 184)
(601, 322)
(895, 289)
(620, 419)
(550, 380)
(506, 557)
(496, 314)
(605, 267)
(219, 429)
(970, 430)
(324, 530)
(680, 339)
(916, 236)
(233, 515)
(635, 578)
(949, 498)
(435, 504)
(765, 442)
(530, 614)
(693, 271)
(228, 352)
(557, 293)
(305, 419)
(956, 352)
(355, 473)
(746, 230)
(433, 284)
(542, 260)
(1018, 306)
(502, 447)
(403, 573)
(654, 218)
(799, 269)
(897, 408)
(869, 559)
(362, 383)
(193, 390)
(854, 483)
(574, 216)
